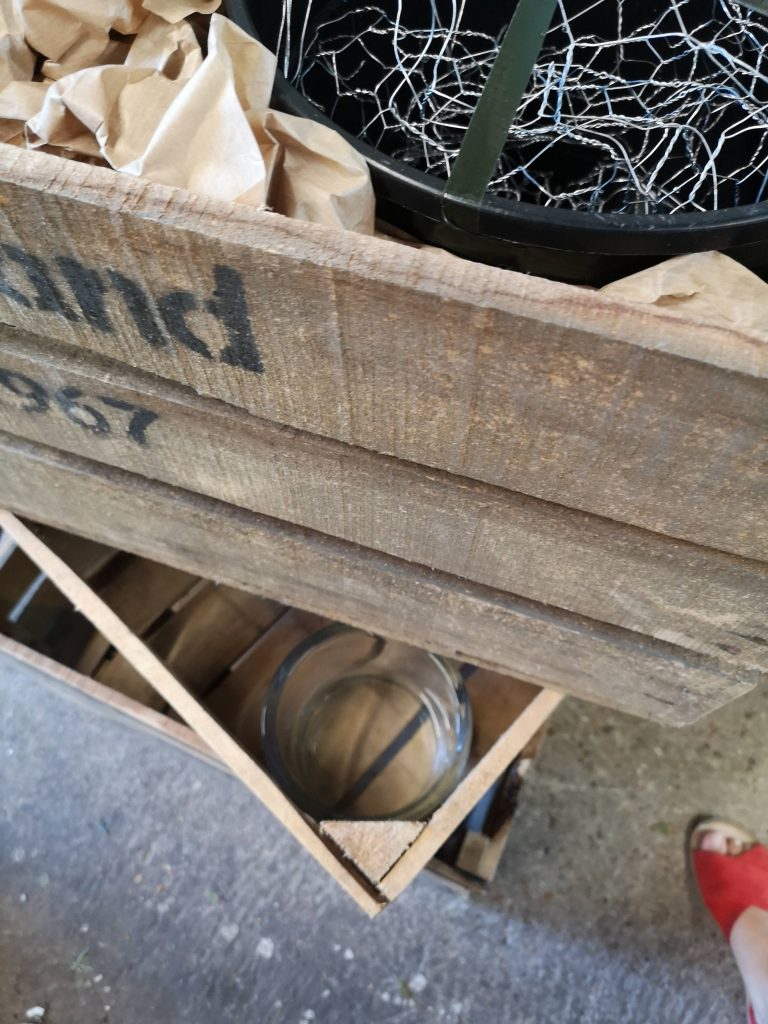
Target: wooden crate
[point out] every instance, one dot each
(211, 651)
(528, 475)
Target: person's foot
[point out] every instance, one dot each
(731, 868)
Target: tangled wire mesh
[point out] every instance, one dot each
(634, 106)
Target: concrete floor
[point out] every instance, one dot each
(139, 885)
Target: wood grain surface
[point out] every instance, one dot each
(430, 609)
(188, 708)
(370, 850)
(698, 598)
(198, 642)
(629, 412)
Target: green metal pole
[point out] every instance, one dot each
(496, 111)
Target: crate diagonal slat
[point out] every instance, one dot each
(373, 861)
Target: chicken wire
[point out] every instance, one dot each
(634, 106)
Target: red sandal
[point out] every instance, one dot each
(728, 883)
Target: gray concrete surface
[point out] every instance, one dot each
(139, 885)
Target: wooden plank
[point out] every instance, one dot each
(448, 817)
(108, 700)
(237, 700)
(497, 702)
(634, 413)
(480, 854)
(187, 706)
(198, 643)
(372, 846)
(84, 556)
(19, 573)
(329, 577)
(48, 616)
(33, 611)
(698, 598)
(139, 590)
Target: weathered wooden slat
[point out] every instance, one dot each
(330, 577)
(187, 707)
(31, 607)
(19, 573)
(633, 413)
(698, 598)
(448, 818)
(527, 709)
(139, 591)
(198, 643)
(237, 700)
(108, 702)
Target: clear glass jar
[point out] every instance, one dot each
(357, 727)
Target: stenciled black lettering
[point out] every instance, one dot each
(7, 289)
(34, 394)
(229, 305)
(88, 288)
(83, 415)
(140, 421)
(48, 297)
(137, 303)
(174, 308)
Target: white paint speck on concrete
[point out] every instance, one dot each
(265, 949)
(229, 932)
(417, 983)
(22, 897)
(349, 954)
(325, 993)
(35, 1013)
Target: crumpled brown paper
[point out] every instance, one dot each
(19, 99)
(707, 285)
(318, 176)
(75, 34)
(160, 110)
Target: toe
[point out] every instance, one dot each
(712, 842)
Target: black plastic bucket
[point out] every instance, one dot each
(572, 245)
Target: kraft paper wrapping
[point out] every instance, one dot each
(75, 34)
(707, 285)
(150, 103)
